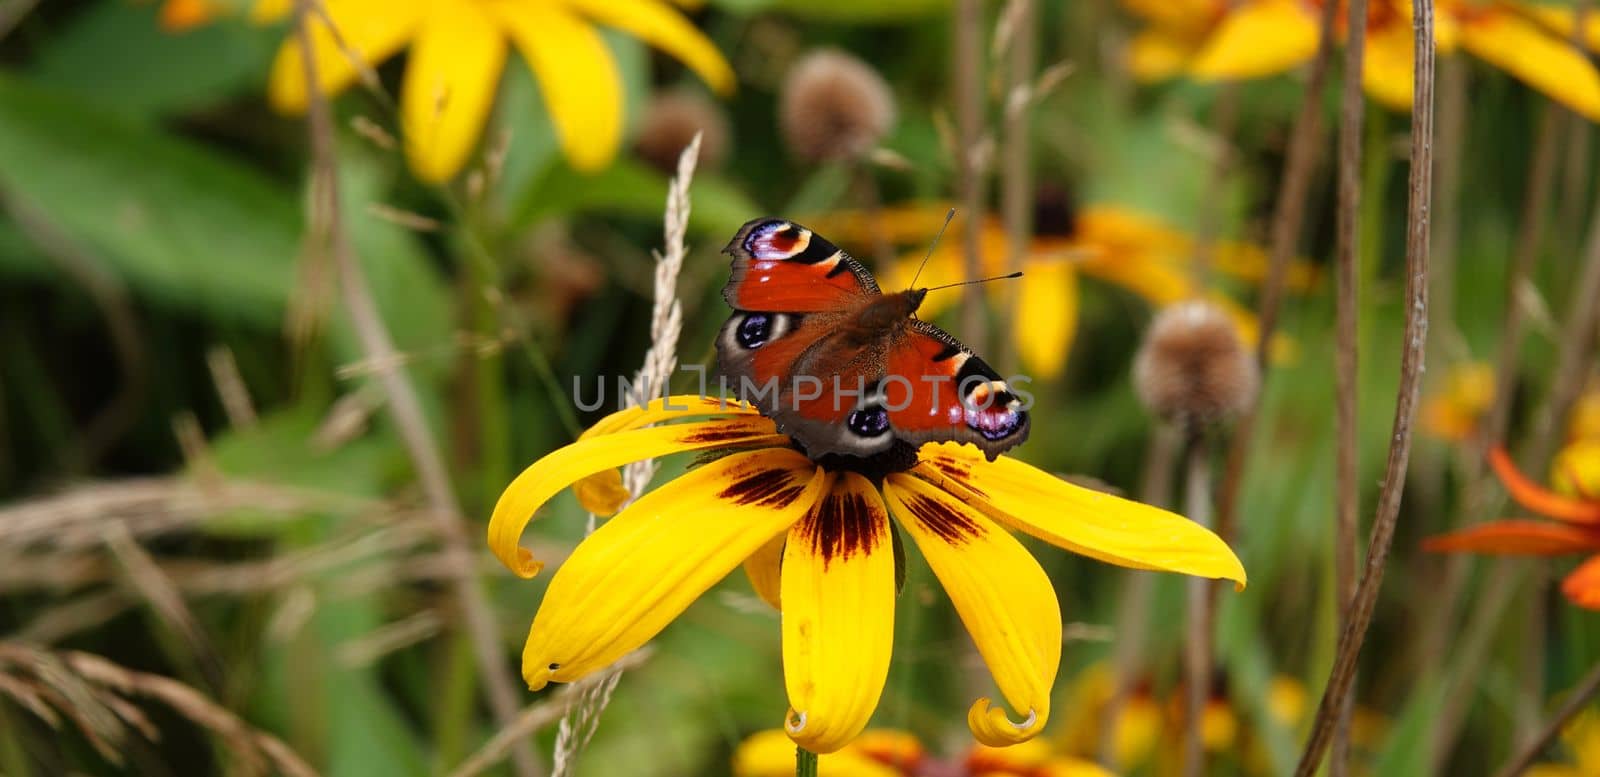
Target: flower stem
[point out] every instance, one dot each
(805, 763)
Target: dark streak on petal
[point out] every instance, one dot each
(842, 525)
(767, 487)
(961, 474)
(947, 524)
(719, 434)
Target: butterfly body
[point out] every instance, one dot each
(849, 372)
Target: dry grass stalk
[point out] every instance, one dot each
(1016, 175)
(231, 389)
(1412, 359)
(94, 694)
(666, 323)
(157, 589)
(536, 717)
(1574, 704)
(328, 235)
(1287, 217)
(1347, 487)
(388, 638)
(971, 159)
(1197, 644)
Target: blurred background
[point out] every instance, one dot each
(221, 542)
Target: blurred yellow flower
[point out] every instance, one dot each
(1581, 736)
(457, 50)
(1453, 412)
(1107, 242)
(1215, 40)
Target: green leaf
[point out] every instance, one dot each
(115, 55)
(194, 230)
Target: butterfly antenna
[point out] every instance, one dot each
(931, 246)
(1008, 276)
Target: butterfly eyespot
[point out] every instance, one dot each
(868, 421)
(754, 330)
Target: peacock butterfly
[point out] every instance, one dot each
(848, 372)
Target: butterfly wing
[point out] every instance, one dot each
(782, 267)
(935, 389)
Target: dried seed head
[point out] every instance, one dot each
(1193, 369)
(834, 106)
(670, 121)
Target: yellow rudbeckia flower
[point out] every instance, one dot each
(1213, 40)
(819, 544)
(457, 50)
(1106, 242)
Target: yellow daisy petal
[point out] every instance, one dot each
(764, 567)
(452, 75)
(673, 408)
(265, 12)
(1386, 66)
(771, 754)
(1258, 39)
(1046, 318)
(666, 29)
(838, 614)
(372, 29)
(577, 75)
(1561, 19)
(636, 573)
(602, 493)
(1546, 63)
(1157, 54)
(1003, 597)
(1174, 13)
(564, 466)
(897, 224)
(1095, 524)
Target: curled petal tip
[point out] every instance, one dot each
(526, 565)
(794, 722)
(537, 674)
(992, 726)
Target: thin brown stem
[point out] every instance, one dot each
(1197, 647)
(1412, 360)
(1575, 703)
(403, 402)
(1287, 217)
(1347, 488)
(1133, 611)
(970, 158)
(1016, 175)
(1447, 203)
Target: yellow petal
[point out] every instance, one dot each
(1562, 18)
(1533, 56)
(838, 614)
(1082, 520)
(1258, 39)
(764, 569)
(638, 571)
(1003, 597)
(452, 75)
(1046, 317)
(602, 493)
(265, 12)
(1157, 54)
(1174, 13)
(1575, 472)
(1067, 766)
(770, 753)
(673, 408)
(1585, 421)
(1386, 66)
(564, 466)
(654, 23)
(577, 75)
(371, 29)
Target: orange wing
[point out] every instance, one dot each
(782, 267)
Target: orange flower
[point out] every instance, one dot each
(1575, 504)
